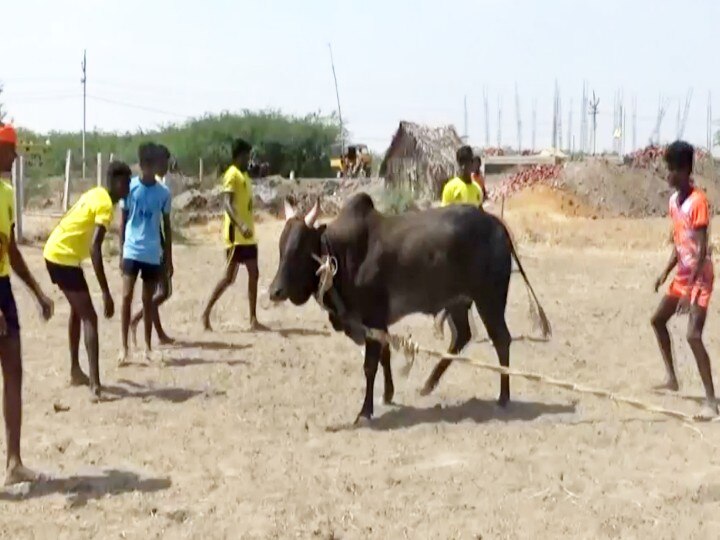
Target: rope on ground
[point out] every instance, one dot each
(410, 349)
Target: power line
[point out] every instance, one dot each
(139, 107)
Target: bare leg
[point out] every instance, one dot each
(10, 357)
(162, 293)
(228, 279)
(696, 323)
(666, 309)
(148, 290)
(77, 377)
(82, 307)
(253, 278)
(128, 288)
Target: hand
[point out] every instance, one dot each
(108, 305)
(47, 306)
(660, 280)
(245, 231)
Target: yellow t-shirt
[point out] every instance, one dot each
(239, 184)
(69, 243)
(7, 220)
(456, 191)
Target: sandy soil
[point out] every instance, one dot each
(247, 436)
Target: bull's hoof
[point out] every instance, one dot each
(363, 418)
(388, 397)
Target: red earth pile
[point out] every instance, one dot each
(539, 175)
(651, 157)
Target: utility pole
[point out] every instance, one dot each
(337, 96)
(465, 120)
(518, 120)
(534, 123)
(559, 121)
(634, 124)
(499, 126)
(570, 129)
(594, 112)
(487, 117)
(662, 109)
(554, 120)
(84, 83)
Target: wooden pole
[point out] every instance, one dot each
(502, 207)
(99, 170)
(112, 157)
(18, 173)
(200, 171)
(66, 189)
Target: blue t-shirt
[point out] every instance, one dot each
(145, 206)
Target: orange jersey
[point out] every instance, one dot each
(687, 218)
(479, 180)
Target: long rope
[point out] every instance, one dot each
(410, 349)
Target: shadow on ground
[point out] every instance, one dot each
(132, 389)
(82, 488)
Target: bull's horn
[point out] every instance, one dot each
(289, 210)
(312, 215)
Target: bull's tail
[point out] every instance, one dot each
(537, 313)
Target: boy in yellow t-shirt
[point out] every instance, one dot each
(238, 232)
(80, 235)
(10, 356)
(461, 189)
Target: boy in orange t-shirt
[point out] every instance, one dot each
(692, 285)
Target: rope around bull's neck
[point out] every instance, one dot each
(410, 349)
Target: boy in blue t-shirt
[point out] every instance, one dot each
(143, 250)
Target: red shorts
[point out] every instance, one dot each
(699, 293)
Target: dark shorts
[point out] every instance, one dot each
(242, 254)
(148, 272)
(68, 278)
(8, 307)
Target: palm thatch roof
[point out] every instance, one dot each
(435, 145)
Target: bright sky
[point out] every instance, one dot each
(160, 61)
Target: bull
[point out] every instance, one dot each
(389, 267)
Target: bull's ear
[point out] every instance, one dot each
(312, 214)
(289, 210)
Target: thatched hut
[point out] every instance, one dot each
(421, 158)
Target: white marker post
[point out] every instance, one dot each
(18, 177)
(99, 170)
(200, 171)
(66, 190)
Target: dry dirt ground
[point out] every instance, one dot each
(239, 435)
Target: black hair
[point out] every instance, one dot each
(464, 155)
(477, 159)
(240, 146)
(163, 151)
(679, 155)
(117, 169)
(147, 153)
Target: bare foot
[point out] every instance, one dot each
(123, 358)
(255, 326)
(151, 356)
(669, 385)
(78, 378)
(708, 411)
(166, 340)
(16, 474)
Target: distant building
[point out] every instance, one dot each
(421, 158)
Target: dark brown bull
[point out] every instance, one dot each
(393, 266)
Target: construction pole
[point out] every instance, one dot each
(337, 96)
(84, 83)
(634, 124)
(518, 119)
(499, 126)
(487, 117)
(534, 123)
(570, 129)
(99, 170)
(465, 120)
(554, 119)
(559, 121)
(594, 112)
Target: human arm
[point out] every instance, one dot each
(167, 246)
(123, 223)
(701, 237)
(229, 208)
(668, 268)
(99, 267)
(17, 263)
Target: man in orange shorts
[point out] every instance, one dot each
(691, 287)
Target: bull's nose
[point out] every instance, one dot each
(276, 293)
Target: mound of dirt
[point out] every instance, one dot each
(617, 190)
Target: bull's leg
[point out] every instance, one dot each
(460, 337)
(387, 375)
(493, 317)
(373, 351)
